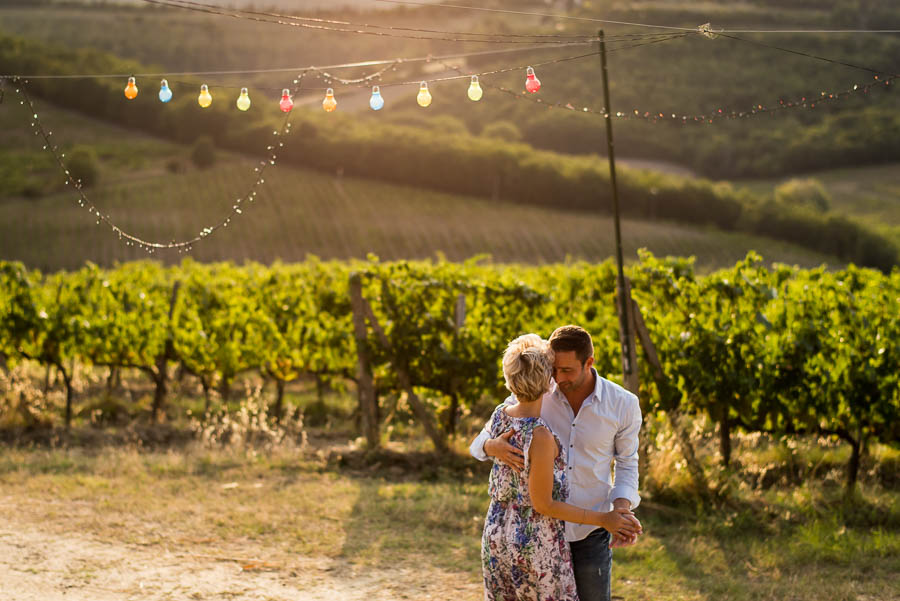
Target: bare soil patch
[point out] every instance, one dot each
(42, 562)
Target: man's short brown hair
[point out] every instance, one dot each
(572, 338)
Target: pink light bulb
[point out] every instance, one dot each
(286, 103)
(532, 83)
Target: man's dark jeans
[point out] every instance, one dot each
(592, 560)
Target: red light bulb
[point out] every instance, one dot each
(286, 103)
(532, 83)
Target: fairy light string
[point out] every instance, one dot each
(104, 218)
(807, 102)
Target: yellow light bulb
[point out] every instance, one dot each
(131, 90)
(205, 98)
(329, 104)
(475, 91)
(424, 97)
(243, 101)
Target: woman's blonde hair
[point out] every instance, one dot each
(527, 367)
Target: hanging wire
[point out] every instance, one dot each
(372, 63)
(481, 74)
(216, 11)
(664, 38)
(533, 14)
(804, 54)
(390, 27)
(630, 23)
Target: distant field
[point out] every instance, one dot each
(300, 212)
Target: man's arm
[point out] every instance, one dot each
(626, 456)
(476, 449)
(624, 494)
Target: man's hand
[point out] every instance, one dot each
(621, 523)
(506, 453)
(623, 540)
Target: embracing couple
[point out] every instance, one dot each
(555, 515)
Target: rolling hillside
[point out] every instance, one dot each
(150, 187)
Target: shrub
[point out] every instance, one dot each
(804, 193)
(502, 130)
(203, 153)
(84, 166)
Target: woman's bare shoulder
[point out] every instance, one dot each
(542, 441)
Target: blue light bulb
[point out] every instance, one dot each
(376, 101)
(165, 94)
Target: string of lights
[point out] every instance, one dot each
(807, 102)
(327, 72)
(630, 23)
(104, 218)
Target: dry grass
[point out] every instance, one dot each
(287, 503)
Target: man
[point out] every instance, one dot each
(597, 422)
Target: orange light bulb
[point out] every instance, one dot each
(131, 90)
(329, 104)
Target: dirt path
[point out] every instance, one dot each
(37, 564)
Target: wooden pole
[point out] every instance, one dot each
(623, 297)
(365, 382)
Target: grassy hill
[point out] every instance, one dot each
(150, 188)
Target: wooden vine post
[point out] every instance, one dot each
(365, 381)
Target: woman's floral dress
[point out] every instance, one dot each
(524, 553)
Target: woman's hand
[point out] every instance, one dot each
(622, 523)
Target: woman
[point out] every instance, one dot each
(524, 550)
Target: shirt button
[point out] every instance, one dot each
(571, 445)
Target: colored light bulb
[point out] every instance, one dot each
(424, 97)
(165, 94)
(286, 103)
(532, 83)
(475, 91)
(205, 98)
(376, 101)
(329, 104)
(243, 101)
(131, 89)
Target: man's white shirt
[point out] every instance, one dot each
(605, 429)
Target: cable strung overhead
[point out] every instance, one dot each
(629, 23)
